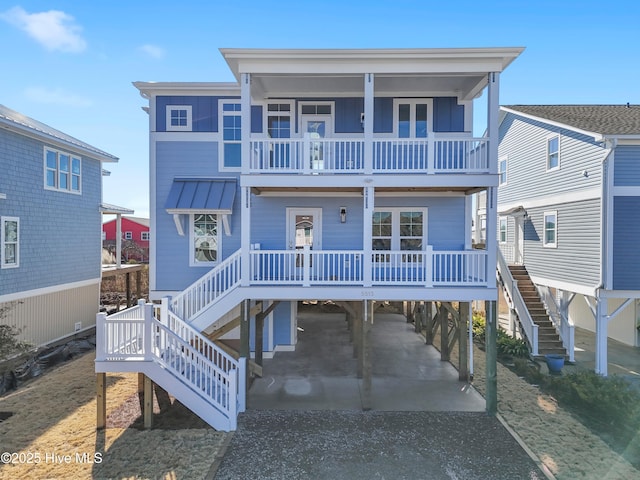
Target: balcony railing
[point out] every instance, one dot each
(427, 268)
(347, 156)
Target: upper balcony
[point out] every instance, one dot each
(314, 155)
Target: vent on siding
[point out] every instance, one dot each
(77, 327)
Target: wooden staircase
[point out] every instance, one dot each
(549, 340)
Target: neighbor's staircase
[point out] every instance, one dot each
(549, 340)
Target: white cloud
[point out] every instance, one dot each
(56, 97)
(152, 50)
(55, 30)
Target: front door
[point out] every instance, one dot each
(303, 230)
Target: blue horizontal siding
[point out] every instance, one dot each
(626, 167)
(448, 116)
(183, 159)
(626, 233)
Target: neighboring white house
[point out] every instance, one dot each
(568, 205)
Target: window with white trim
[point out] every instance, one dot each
(502, 170)
(128, 235)
(412, 118)
(279, 119)
(399, 229)
(230, 127)
(179, 118)
(553, 152)
(144, 236)
(503, 230)
(204, 239)
(62, 171)
(10, 248)
(550, 238)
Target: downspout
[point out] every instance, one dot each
(605, 181)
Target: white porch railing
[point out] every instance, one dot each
(346, 267)
(208, 372)
(560, 320)
(346, 155)
(529, 327)
(207, 289)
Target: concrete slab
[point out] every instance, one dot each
(322, 373)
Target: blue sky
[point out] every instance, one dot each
(70, 64)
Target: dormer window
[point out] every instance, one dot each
(179, 118)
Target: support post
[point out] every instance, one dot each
(491, 350)
(138, 284)
(128, 288)
(245, 351)
(140, 382)
(148, 403)
(444, 333)
(367, 364)
(101, 396)
(602, 321)
(259, 337)
(357, 335)
(465, 317)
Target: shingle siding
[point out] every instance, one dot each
(60, 233)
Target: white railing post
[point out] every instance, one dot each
(147, 313)
(306, 266)
(242, 385)
(101, 326)
(233, 398)
(431, 160)
(429, 266)
(306, 154)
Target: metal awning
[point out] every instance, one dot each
(201, 195)
(109, 209)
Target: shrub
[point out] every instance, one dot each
(507, 345)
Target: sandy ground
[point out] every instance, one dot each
(52, 431)
(54, 419)
(566, 448)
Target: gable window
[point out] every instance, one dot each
(62, 171)
(179, 118)
(550, 229)
(399, 229)
(553, 152)
(503, 230)
(205, 239)
(502, 170)
(10, 248)
(231, 129)
(128, 235)
(144, 236)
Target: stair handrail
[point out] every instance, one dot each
(510, 284)
(564, 325)
(197, 370)
(213, 285)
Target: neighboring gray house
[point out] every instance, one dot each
(50, 228)
(568, 210)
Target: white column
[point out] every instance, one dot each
(367, 232)
(493, 112)
(245, 235)
(368, 123)
(245, 105)
(118, 240)
(602, 320)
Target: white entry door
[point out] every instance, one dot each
(304, 228)
(317, 128)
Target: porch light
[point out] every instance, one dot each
(343, 214)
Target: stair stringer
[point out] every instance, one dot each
(217, 309)
(188, 397)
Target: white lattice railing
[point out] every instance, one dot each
(529, 328)
(346, 155)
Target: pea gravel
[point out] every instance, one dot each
(271, 444)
